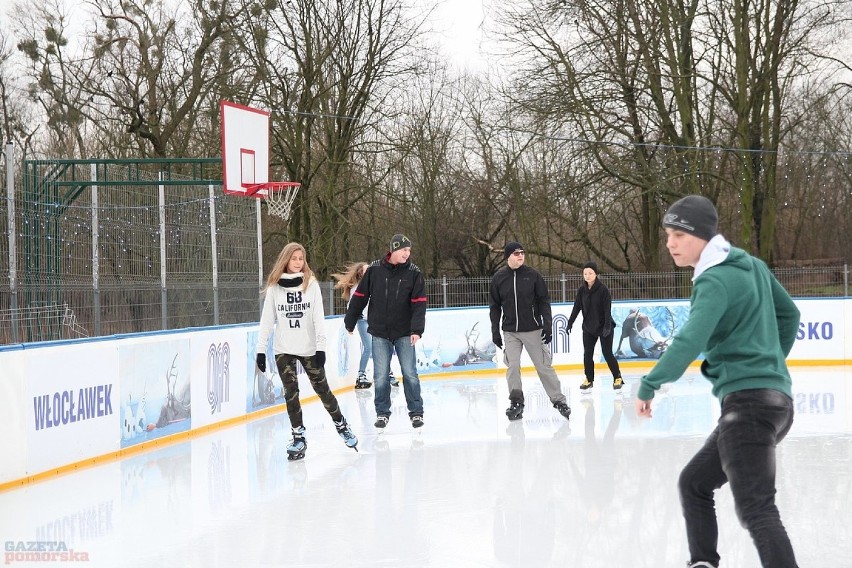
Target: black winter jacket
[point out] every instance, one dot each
(596, 304)
(397, 297)
(521, 295)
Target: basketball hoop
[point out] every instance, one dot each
(279, 197)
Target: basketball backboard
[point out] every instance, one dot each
(245, 149)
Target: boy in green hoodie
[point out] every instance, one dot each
(745, 323)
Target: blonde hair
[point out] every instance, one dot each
(283, 260)
(349, 278)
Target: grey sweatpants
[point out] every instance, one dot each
(540, 356)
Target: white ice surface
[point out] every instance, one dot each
(469, 489)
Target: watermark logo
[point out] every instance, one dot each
(218, 376)
(41, 551)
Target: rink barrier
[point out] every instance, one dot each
(68, 405)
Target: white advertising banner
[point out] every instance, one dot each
(72, 403)
(155, 386)
(216, 365)
(69, 401)
(822, 330)
(13, 410)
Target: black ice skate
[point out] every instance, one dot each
(515, 411)
(361, 382)
(563, 409)
(346, 433)
(587, 386)
(296, 449)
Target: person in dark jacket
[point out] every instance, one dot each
(394, 288)
(519, 294)
(594, 300)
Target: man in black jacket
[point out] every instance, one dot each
(394, 288)
(519, 293)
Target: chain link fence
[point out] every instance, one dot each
(824, 281)
(97, 248)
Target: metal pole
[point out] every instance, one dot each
(13, 253)
(444, 286)
(164, 306)
(259, 255)
(564, 279)
(96, 259)
(214, 255)
(846, 280)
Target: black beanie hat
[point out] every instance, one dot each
(693, 214)
(510, 248)
(592, 265)
(399, 241)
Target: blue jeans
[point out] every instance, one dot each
(366, 345)
(382, 351)
(740, 451)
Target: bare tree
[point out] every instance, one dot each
(652, 88)
(330, 71)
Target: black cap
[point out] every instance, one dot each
(510, 248)
(592, 265)
(693, 214)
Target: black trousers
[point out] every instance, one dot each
(589, 341)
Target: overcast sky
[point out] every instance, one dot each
(457, 25)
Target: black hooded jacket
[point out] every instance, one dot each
(596, 304)
(397, 297)
(522, 297)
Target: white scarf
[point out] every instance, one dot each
(714, 253)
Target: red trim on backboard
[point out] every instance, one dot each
(253, 181)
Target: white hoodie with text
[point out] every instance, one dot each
(297, 318)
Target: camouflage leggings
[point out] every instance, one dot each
(287, 370)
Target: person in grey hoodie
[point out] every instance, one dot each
(518, 294)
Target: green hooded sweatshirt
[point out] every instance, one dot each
(744, 322)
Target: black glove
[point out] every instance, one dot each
(569, 328)
(497, 340)
(546, 336)
(261, 362)
(320, 358)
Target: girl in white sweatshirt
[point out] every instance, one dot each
(293, 315)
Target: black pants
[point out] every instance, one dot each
(589, 341)
(740, 451)
(287, 370)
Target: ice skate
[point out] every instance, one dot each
(617, 383)
(701, 564)
(381, 422)
(587, 386)
(416, 421)
(563, 409)
(515, 410)
(393, 380)
(361, 381)
(296, 449)
(346, 433)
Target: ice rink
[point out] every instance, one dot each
(469, 489)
